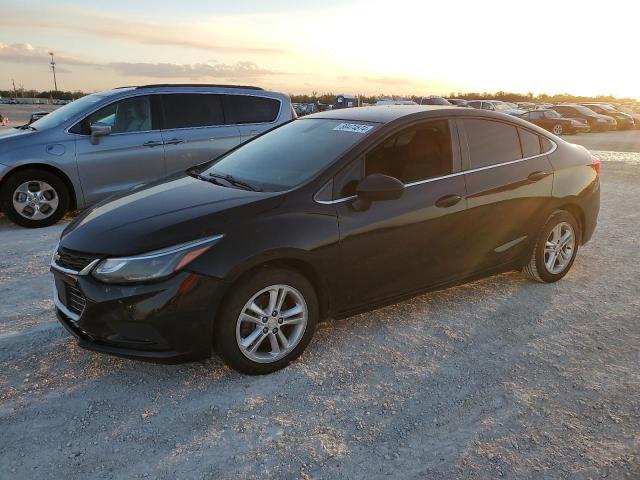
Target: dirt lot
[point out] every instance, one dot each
(501, 378)
(20, 114)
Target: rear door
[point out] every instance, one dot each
(251, 114)
(194, 129)
(509, 180)
(132, 154)
(394, 247)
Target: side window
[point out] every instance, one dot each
(535, 115)
(530, 143)
(126, 116)
(491, 142)
(239, 109)
(191, 110)
(417, 153)
(546, 144)
(487, 106)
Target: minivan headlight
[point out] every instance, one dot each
(152, 265)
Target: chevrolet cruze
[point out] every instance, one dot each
(336, 213)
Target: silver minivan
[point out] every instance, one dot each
(110, 141)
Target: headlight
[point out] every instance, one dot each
(153, 265)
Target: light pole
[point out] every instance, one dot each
(53, 69)
(15, 92)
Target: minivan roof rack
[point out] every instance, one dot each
(246, 87)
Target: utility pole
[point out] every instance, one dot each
(53, 69)
(15, 92)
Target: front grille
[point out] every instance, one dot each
(73, 260)
(70, 296)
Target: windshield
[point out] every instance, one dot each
(436, 101)
(552, 114)
(291, 154)
(70, 110)
(583, 110)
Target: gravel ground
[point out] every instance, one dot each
(500, 378)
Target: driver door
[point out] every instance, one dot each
(395, 247)
(131, 154)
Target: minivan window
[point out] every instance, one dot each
(240, 109)
(67, 112)
(491, 142)
(291, 154)
(126, 116)
(530, 143)
(191, 110)
(416, 153)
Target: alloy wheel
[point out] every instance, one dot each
(559, 248)
(272, 323)
(35, 200)
(557, 129)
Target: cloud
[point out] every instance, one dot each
(27, 53)
(120, 28)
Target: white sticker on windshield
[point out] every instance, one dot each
(353, 127)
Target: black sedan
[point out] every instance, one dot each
(624, 120)
(554, 122)
(332, 214)
(596, 121)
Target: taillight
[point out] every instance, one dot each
(596, 163)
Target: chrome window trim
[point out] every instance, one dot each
(554, 146)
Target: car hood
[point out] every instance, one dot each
(161, 214)
(11, 133)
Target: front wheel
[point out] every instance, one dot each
(34, 198)
(556, 248)
(557, 129)
(267, 321)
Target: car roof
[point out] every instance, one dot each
(390, 113)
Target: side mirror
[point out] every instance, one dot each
(377, 187)
(98, 130)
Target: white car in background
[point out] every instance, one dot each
(496, 106)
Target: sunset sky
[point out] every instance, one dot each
(369, 47)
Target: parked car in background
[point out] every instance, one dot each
(335, 213)
(111, 141)
(624, 120)
(434, 100)
(458, 102)
(391, 101)
(597, 122)
(495, 106)
(634, 112)
(345, 101)
(526, 105)
(554, 122)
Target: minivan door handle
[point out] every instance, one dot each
(535, 176)
(174, 141)
(448, 201)
(152, 143)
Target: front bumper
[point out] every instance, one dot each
(170, 321)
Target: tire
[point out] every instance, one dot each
(557, 129)
(538, 267)
(50, 191)
(231, 330)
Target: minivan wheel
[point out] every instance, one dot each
(34, 198)
(267, 321)
(556, 248)
(557, 129)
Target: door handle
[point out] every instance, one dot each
(448, 201)
(535, 176)
(174, 141)
(152, 143)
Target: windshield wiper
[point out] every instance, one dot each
(26, 127)
(235, 182)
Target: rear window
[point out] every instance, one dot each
(190, 110)
(239, 109)
(530, 143)
(491, 143)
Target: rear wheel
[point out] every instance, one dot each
(556, 248)
(34, 198)
(267, 321)
(557, 129)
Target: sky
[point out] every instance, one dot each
(342, 46)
